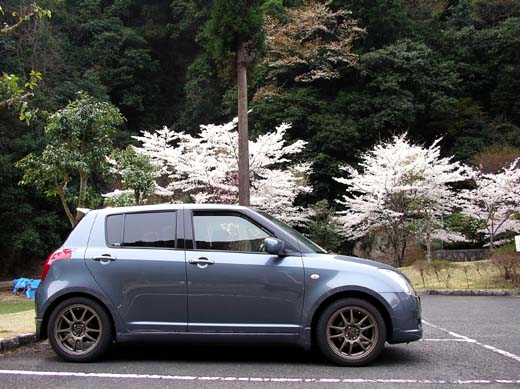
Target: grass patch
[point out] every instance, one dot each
(13, 324)
(16, 315)
(16, 306)
(463, 275)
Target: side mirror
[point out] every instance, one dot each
(274, 246)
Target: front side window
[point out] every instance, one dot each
(227, 232)
(153, 229)
(297, 235)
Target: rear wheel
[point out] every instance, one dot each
(79, 330)
(351, 332)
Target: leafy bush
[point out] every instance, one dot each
(323, 227)
(469, 227)
(507, 248)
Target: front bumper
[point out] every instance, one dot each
(406, 319)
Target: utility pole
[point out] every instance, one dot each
(243, 136)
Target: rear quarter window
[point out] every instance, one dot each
(114, 229)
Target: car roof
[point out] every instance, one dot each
(167, 207)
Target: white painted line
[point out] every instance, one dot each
(469, 340)
(252, 379)
(443, 340)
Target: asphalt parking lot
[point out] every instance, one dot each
(468, 342)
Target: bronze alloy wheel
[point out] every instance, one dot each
(78, 329)
(352, 332)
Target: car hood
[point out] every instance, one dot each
(366, 262)
(361, 261)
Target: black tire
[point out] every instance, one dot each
(62, 329)
(342, 340)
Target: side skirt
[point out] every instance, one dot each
(213, 337)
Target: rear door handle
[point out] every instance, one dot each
(201, 261)
(104, 258)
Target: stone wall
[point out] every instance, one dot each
(461, 255)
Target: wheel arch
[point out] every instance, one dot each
(380, 306)
(52, 306)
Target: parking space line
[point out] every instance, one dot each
(443, 340)
(469, 340)
(253, 379)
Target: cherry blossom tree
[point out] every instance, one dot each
(399, 185)
(313, 43)
(495, 201)
(206, 167)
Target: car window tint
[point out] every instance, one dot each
(114, 229)
(154, 229)
(227, 232)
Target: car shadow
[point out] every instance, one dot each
(163, 351)
(232, 354)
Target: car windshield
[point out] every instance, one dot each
(299, 236)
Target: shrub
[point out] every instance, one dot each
(508, 264)
(443, 271)
(424, 269)
(465, 269)
(479, 267)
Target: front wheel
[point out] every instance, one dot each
(79, 330)
(351, 332)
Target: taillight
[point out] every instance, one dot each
(53, 257)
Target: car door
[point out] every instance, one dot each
(233, 285)
(141, 268)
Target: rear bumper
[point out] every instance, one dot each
(39, 332)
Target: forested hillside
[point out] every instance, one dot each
(433, 68)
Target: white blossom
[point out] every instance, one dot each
(449, 236)
(205, 166)
(398, 184)
(495, 201)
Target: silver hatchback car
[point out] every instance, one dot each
(216, 272)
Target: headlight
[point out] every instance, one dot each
(403, 282)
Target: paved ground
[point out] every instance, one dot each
(468, 342)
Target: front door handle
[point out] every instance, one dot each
(201, 261)
(104, 258)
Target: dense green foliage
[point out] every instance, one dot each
(135, 172)
(78, 138)
(431, 67)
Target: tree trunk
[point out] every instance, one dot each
(81, 195)
(428, 243)
(402, 253)
(137, 197)
(66, 208)
(243, 138)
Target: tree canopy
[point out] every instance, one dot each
(345, 73)
(78, 137)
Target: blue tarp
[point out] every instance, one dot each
(25, 285)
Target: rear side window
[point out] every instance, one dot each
(152, 229)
